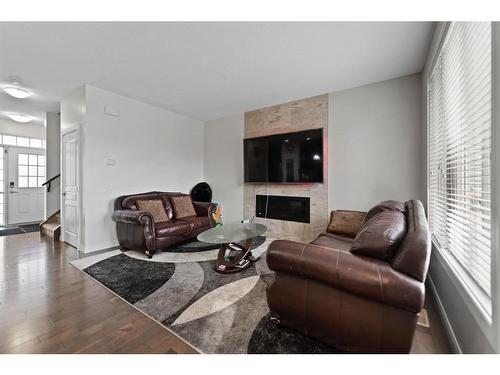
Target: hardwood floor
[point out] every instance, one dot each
(48, 306)
(432, 339)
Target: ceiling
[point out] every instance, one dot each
(205, 70)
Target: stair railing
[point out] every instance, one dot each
(50, 180)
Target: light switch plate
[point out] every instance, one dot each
(111, 111)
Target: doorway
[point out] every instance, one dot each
(25, 193)
(22, 173)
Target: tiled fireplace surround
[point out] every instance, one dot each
(310, 113)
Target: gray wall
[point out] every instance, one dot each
(467, 329)
(224, 164)
(375, 144)
(374, 148)
(53, 159)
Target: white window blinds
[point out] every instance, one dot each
(459, 130)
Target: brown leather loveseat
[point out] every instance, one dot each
(360, 286)
(137, 230)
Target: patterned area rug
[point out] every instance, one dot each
(216, 313)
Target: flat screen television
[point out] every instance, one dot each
(286, 158)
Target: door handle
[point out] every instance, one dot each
(63, 194)
(13, 192)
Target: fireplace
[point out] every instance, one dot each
(283, 208)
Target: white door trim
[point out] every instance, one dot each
(77, 130)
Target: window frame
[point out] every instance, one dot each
(15, 142)
(488, 324)
(28, 166)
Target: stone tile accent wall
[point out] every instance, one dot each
(310, 113)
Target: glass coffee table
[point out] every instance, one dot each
(235, 241)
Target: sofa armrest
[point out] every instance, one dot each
(202, 208)
(365, 277)
(132, 217)
(135, 229)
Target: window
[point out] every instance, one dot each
(23, 142)
(459, 130)
(37, 143)
(9, 140)
(12, 140)
(31, 170)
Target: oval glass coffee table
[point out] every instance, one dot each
(235, 241)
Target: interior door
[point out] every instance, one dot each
(25, 194)
(70, 188)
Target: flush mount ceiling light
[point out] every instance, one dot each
(20, 117)
(17, 92)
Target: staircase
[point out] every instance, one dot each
(51, 227)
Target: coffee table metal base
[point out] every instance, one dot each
(237, 263)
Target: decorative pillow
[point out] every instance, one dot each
(380, 236)
(385, 206)
(155, 208)
(345, 223)
(183, 206)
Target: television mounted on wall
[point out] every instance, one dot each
(285, 158)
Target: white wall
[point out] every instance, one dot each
(154, 149)
(53, 159)
(224, 164)
(10, 127)
(375, 144)
(73, 109)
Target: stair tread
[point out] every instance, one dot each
(51, 226)
(55, 218)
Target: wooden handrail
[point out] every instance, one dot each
(50, 180)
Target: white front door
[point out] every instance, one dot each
(70, 191)
(26, 174)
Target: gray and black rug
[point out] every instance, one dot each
(214, 312)
(21, 229)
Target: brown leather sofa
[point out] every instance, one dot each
(353, 302)
(136, 230)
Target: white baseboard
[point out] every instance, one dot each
(442, 312)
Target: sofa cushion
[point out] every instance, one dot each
(385, 206)
(155, 208)
(197, 222)
(183, 206)
(172, 229)
(380, 235)
(345, 223)
(130, 202)
(333, 241)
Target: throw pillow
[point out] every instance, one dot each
(183, 206)
(380, 236)
(345, 223)
(155, 208)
